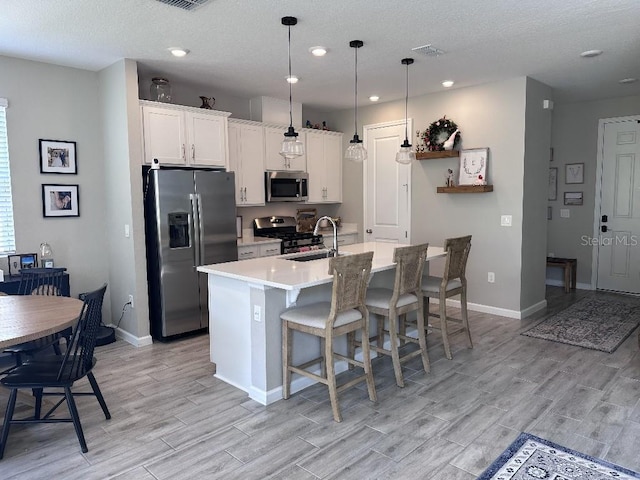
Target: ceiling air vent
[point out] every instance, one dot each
(185, 4)
(428, 50)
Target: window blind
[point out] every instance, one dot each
(7, 232)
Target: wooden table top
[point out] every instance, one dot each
(28, 317)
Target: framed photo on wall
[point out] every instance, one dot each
(60, 201)
(573, 198)
(574, 173)
(58, 156)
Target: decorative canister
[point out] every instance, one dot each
(160, 90)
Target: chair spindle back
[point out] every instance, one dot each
(41, 281)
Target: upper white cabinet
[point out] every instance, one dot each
(178, 135)
(246, 159)
(324, 164)
(273, 137)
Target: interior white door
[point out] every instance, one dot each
(619, 246)
(387, 185)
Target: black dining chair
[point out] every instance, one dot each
(60, 372)
(40, 281)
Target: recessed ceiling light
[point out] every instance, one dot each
(374, 98)
(447, 83)
(591, 53)
(178, 52)
(291, 79)
(318, 51)
(628, 80)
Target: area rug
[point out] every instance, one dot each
(599, 322)
(530, 458)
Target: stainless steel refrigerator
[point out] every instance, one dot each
(190, 220)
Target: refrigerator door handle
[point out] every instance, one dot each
(200, 236)
(195, 221)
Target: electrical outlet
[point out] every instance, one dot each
(257, 313)
(131, 300)
(491, 277)
(565, 213)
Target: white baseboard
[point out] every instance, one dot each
(502, 312)
(132, 339)
(560, 283)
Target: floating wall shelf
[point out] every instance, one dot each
(438, 154)
(466, 189)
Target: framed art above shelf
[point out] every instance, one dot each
(437, 154)
(466, 189)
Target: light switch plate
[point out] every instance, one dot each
(505, 220)
(565, 213)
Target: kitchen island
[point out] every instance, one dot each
(246, 299)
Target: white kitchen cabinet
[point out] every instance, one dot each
(178, 135)
(246, 159)
(324, 165)
(261, 249)
(273, 137)
(347, 239)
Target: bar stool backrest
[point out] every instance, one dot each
(410, 265)
(350, 279)
(457, 254)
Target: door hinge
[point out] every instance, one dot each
(405, 234)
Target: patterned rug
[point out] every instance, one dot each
(599, 321)
(530, 458)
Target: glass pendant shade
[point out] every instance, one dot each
(291, 146)
(356, 151)
(406, 154)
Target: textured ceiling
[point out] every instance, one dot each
(240, 46)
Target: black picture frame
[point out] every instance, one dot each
(58, 156)
(60, 201)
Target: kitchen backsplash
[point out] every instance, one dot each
(281, 209)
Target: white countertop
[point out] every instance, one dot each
(289, 275)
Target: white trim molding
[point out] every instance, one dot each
(132, 339)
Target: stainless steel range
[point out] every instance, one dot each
(284, 228)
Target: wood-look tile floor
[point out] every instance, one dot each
(173, 420)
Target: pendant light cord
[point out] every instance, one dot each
(289, 80)
(355, 120)
(406, 109)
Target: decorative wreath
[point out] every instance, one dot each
(438, 133)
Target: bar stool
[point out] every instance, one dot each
(394, 304)
(345, 314)
(453, 282)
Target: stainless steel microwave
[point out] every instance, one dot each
(286, 186)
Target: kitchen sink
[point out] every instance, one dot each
(310, 257)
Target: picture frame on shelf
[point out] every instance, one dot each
(473, 165)
(58, 156)
(48, 263)
(28, 260)
(60, 201)
(14, 264)
(574, 173)
(573, 198)
(553, 184)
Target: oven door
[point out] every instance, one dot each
(286, 186)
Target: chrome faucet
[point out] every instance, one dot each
(333, 252)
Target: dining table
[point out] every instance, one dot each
(29, 317)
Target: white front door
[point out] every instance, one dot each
(619, 246)
(387, 185)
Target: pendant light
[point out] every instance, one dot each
(406, 154)
(292, 147)
(356, 151)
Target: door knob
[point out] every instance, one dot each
(605, 218)
(603, 228)
(369, 230)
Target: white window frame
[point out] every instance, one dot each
(7, 228)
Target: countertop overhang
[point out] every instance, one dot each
(278, 272)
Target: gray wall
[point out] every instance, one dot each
(491, 116)
(59, 103)
(534, 213)
(575, 140)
